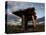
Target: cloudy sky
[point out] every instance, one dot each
(14, 6)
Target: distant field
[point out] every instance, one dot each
(17, 29)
